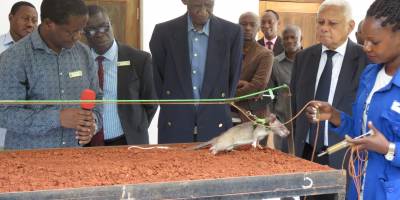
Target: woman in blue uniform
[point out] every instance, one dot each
(377, 106)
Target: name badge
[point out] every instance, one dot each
(75, 74)
(124, 63)
(396, 106)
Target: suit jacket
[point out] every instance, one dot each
(278, 46)
(304, 74)
(172, 74)
(135, 81)
(256, 70)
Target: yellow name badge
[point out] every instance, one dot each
(124, 63)
(75, 74)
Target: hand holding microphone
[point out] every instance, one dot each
(86, 126)
(82, 120)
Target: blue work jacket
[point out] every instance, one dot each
(382, 180)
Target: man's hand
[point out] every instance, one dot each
(74, 117)
(321, 111)
(81, 120)
(84, 134)
(241, 84)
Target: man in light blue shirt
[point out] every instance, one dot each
(198, 44)
(23, 19)
(124, 73)
(195, 56)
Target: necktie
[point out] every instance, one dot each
(100, 71)
(322, 94)
(269, 45)
(98, 139)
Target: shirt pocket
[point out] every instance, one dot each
(391, 189)
(393, 119)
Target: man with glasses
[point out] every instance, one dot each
(49, 64)
(195, 56)
(124, 73)
(23, 20)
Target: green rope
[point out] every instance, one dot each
(145, 101)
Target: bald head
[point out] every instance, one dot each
(291, 37)
(250, 23)
(359, 36)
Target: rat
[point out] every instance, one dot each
(245, 133)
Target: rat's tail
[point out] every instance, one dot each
(201, 145)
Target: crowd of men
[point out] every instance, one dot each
(200, 56)
(219, 59)
(49, 62)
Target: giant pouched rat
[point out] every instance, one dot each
(246, 133)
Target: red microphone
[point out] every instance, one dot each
(89, 95)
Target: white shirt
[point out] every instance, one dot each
(382, 79)
(5, 41)
(273, 42)
(337, 61)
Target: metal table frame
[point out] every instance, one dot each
(255, 187)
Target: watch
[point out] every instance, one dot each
(390, 154)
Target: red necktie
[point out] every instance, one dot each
(100, 72)
(98, 139)
(269, 45)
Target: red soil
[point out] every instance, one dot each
(86, 167)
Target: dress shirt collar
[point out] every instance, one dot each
(110, 53)
(273, 40)
(340, 50)
(8, 40)
(396, 78)
(206, 27)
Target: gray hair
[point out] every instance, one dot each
(347, 12)
(252, 14)
(293, 28)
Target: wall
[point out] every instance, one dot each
(359, 8)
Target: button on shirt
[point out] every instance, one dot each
(5, 42)
(111, 123)
(29, 70)
(198, 44)
(337, 61)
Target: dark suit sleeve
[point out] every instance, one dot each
(236, 61)
(158, 52)
(147, 90)
(293, 83)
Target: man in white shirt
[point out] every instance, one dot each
(329, 72)
(23, 19)
(269, 26)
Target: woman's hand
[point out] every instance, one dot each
(376, 142)
(321, 111)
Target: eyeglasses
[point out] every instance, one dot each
(90, 32)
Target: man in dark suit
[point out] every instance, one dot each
(196, 56)
(124, 73)
(269, 27)
(328, 71)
